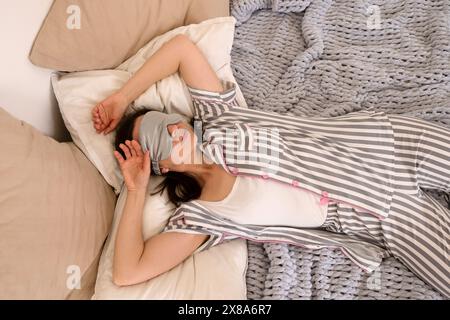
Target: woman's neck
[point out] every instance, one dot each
(203, 169)
(215, 182)
(203, 172)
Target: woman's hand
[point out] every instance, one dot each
(107, 114)
(136, 168)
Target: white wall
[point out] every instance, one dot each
(25, 90)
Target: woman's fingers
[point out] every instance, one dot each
(125, 150)
(131, 147)
(103, 115)
(137, 147)
(99, 126)
(100, 118)
(111, 126)
(119, 157)
(96, 119)
(94, 112)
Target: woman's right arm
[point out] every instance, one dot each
(178, 54)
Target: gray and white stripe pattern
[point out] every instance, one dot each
(417, 229)
(351, 157)
(195, 218)
(364, 163)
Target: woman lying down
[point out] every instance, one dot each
(353, 182)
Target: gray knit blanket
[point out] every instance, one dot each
(329, 58)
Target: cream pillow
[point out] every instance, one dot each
(217, 273)
(77, 93)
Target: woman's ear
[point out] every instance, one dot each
(171, 128)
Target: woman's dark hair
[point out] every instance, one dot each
(181, 187)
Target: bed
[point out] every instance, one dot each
(296, 57)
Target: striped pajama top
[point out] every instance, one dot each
(347, 159)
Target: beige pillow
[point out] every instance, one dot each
(80, 35)
(55, 213)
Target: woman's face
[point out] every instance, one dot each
(183, 143)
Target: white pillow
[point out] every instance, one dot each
(78, 92)
(217, 273)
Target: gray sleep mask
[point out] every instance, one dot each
(154, 136)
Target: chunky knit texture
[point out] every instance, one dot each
(328, 58)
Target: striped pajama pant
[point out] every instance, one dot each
(416, 232)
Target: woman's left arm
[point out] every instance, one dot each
(135, 260)
(178, 54)
(129, 243)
